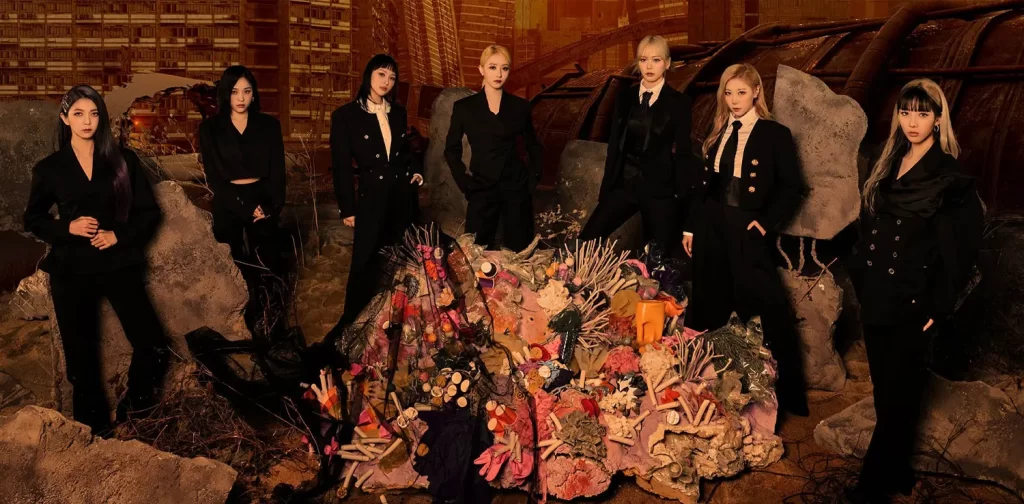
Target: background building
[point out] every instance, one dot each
(483, 23)
(299, 50)
(308, 55)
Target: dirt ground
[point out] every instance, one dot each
(805, 474)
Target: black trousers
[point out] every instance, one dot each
(508, 202)
(383, 214)
(897, 362)
(76, 301)
(733, 271)
(253, 243)
(659, 215)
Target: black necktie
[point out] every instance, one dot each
(727, 163)
(645, 103)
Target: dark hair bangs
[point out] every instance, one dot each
(916, 99)
(377, 62)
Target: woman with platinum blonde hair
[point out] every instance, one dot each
(499, 186)
(650, 156)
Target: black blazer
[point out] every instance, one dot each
(226, 159)
(493, 140)
(914, 258)
(771, 179)
(668, 159)
(59, 180)
(355, 135)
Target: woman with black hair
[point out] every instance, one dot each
(243, 156)
(107, 214)
(920, 234)
(370, 130)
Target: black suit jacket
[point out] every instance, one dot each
(493, 142)
(770, 176)
(224, 161)
(913, 260)
(668, 159)
(59, 180)
(355, 135)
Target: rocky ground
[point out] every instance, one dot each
(807, 472)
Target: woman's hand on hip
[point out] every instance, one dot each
(688, 244)
(104, 240)
(84, 226)
(416, 179)
(753, 224)
(349, 221)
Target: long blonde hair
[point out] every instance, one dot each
(919, 95)
(748, 74)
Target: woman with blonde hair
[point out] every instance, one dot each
(920, 233)
(749, 187)
(499, 186)
(649, 154)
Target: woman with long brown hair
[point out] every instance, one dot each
(920, 232)
(750, 186)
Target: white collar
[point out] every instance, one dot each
(373, 108)
(656, 89)
(748, 119)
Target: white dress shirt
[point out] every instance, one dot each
(656, 90)
(748, 120)
(381, 111)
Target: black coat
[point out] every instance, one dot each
(59, 180)
(668, 159)
(355, 135)
(913, 258)
(493, 142)
(770, 176)
(256, 153)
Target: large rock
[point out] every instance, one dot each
(447, 205)
(28, 135)
(580, 170)
(818, 302)
(45, 457)
(193, 282)
(12, 394)
(827, 129)
(969, 428)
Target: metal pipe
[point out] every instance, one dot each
(879, 51)
(796, 37)
(968, 71)
(975, 9)
(727, 52)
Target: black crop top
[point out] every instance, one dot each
(256, 153)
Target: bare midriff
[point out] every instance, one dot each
(244, 181)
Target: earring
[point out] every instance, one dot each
(936, 128)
